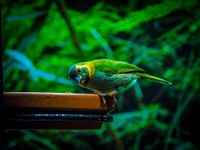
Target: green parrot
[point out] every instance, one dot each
(108, 77)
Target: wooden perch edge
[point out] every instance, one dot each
(38, 110)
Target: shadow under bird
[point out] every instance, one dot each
(108, 77)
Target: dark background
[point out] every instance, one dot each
(42, 39)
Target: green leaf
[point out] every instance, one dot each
(26, 16)
(23, 60)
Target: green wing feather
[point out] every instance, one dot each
(119, 67)
(116, 67)
(152, 78)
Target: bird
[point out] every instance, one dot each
(108, 77)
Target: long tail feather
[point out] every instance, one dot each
(152, 78)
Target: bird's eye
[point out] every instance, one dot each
(78, 70)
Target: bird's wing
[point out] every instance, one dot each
(152, 78)
(115, 67)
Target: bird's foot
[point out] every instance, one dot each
(115, 100)
(110, 103)
(114, 97)
(103, 101)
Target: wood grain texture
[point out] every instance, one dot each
(59, 101)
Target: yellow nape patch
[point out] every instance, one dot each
(90, 68)
(78, 66)
(87, 65)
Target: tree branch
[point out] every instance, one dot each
(63, 10)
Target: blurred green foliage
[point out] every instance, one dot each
(41, 40)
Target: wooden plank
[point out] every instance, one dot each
(59, 101)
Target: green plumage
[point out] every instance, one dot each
(107, 76)
(116, 67)
(152, 78)
(120, 67)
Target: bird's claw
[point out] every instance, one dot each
(111, 104)
(103, 101)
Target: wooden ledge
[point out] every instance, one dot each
(57, 101)
(38, 110)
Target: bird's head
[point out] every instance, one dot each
(80, 73)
